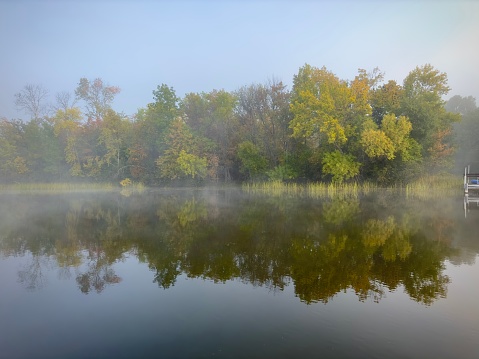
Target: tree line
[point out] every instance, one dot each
(323, 129)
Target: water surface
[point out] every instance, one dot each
(222, 273)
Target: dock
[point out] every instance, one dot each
(471, 181)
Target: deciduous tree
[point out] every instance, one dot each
(340, 166)
(422, 103)
(31, 100)
(252, 162)
(212, 119)
(96, 96)
(181, 159)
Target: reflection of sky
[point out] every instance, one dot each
(199, 46)
(462, 295)
(9, 279)
(136, 317)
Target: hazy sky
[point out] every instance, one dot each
(202, 45)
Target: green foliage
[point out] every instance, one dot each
(165, 106)
(422, 103)
(386, 100)
(12, 164)
(280, 173)
(181, 159)
(340, 166)
(253, 162)
(213, 123)
(192, 165)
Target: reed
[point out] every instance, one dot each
(57, 187)
(425, 187)
(434, 185)
(312, 189)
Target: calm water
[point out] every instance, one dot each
(221, 273)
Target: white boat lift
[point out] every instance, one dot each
(470, 202)
(471, 180)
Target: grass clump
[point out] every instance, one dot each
(128, 187)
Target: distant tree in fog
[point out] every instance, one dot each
(466, 131)
(96, 95)
(31, 100)
(64, 101)
(462, 105)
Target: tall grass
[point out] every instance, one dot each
(58, 187)
(312, 189)
(425, 187)
(434, 185)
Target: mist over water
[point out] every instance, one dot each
(203, 272)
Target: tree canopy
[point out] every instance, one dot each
(325, 128)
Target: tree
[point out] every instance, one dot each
(150, 130)
(64, 101)
(29, 151)
(68, 129)
(392, 138)
(360, 91)
(192, 165)
(377, 144)
(466, 131)
(389, 148)
(252, 162)
(31, 100)
(462, 105)
(43, 151)
(97, 96)
(114, 131)
(212, 119)
(165, 106)
(263, 115)
(330, 115)
(385, 100)
(442, 149)
(319, 104)
(422, 103)
(181, 159)
(340, 166)
(12, 163)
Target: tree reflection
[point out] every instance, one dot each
(97, 278)
(323, 248)
(32, 275)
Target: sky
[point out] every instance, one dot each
(205, 45)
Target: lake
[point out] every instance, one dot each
(212, 272)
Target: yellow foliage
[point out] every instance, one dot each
(20, 165)
(126, 182)
(377, 144)
(334, 131)
(396, 129)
